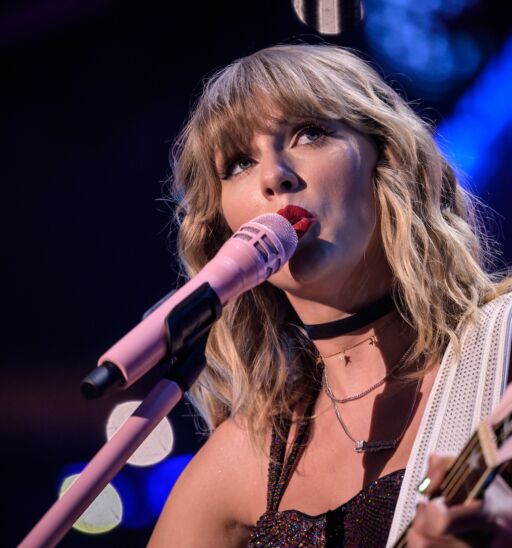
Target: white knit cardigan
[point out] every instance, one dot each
(464, 393)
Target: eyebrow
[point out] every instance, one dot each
(222, 159)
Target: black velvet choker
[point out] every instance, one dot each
(356, 321)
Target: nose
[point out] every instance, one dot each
(277, 176)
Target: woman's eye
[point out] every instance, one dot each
(310, 134)
(235, 167)
(239, 165)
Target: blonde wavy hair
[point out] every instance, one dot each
(260, 365)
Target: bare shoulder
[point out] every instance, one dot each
(220, 494)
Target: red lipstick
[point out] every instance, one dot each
(301, 219)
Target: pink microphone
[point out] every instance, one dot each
(257, 250)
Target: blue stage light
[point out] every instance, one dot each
(470, 137)
(161, 478)
(143, 491)
(414, 37)
(130, 483)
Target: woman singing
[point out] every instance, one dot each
(381, 341)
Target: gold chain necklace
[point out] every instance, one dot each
(342, 354)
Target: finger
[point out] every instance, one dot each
(463, 519)
(437, 467)
(462, 525)
(471, 525)
(431, 518)
(436, 525)
(418, 540)
(434, 518)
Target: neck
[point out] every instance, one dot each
(319, 309)
(371, 351)
(332, 300)
(357, 360)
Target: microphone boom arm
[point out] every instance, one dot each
(185, 324)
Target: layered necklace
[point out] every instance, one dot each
(361, 319)
(370, 446)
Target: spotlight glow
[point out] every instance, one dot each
(486, 105)
(440, 56)
(103, 515)
(161, 479)
(155, 447)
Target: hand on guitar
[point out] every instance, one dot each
(486, 522)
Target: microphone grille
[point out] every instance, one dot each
(282, 229)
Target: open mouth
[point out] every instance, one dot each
(301, 219)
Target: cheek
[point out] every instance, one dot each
(351, 206)
(229, 210)
(358, 187)
(241, 204)
(362, 219)
(350, 197)
(237, 208)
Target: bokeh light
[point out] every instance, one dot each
(486, 104)
(161, 478)
(104, 514)
(155, 447)
(416, 37)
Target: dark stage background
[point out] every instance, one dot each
(92, 94)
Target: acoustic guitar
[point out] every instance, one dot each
(486, 454)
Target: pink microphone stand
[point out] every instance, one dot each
(257, 250)
(189, 324)
(104, 466)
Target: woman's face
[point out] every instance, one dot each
(324, 167)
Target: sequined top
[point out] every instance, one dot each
(364, 520)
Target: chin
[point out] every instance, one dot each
(305, 279)
(304, 274)
(312, 263)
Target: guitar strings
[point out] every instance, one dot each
(452, 488)
(460, 460)
(455, 472)
(452, 483)
(459, 472)
(488, 472)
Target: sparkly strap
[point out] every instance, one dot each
(275, 466)
(279, 470)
